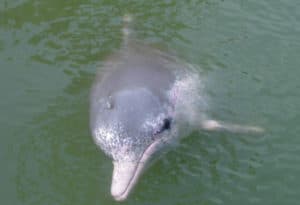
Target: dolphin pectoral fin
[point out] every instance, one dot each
(213, 125)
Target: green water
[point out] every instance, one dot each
(249, 51)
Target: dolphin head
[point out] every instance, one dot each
(130, 126)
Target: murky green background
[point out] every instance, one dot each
(249, 50)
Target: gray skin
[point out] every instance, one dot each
(132, 114)
(140, 100)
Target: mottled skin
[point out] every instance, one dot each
(132, 108)
(140, 100)
(134, 90)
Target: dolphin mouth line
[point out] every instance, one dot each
(138, 170)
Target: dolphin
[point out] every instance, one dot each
(143, 99)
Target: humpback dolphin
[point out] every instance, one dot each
(141, 100)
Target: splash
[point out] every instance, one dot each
(189, 98)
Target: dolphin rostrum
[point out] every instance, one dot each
(141, 100)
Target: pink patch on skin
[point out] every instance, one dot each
(127, 183)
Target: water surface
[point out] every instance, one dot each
(248, 52)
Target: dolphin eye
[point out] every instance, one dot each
(166, 125)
